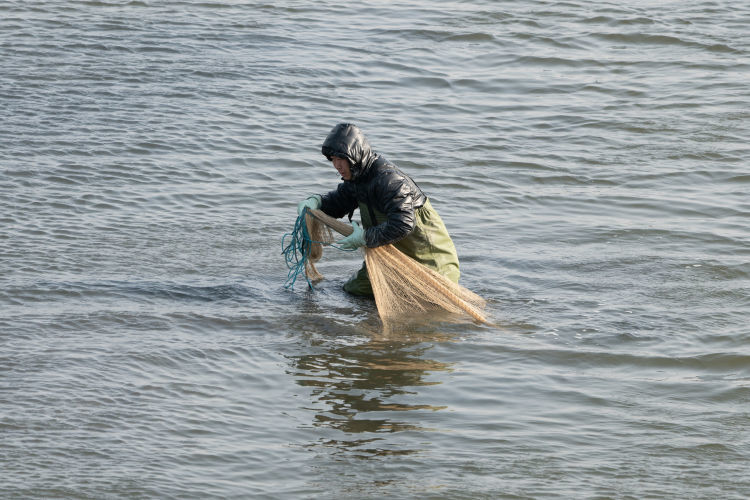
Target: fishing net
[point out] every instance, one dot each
(303, 247)
(402, 286)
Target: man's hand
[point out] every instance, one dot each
(313, 203)
(354, 240)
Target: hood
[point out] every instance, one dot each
(346, 140)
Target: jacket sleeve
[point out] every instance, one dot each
(339, 202)
(394, 197)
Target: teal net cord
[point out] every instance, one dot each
(297, 251)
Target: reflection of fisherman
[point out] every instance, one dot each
(392, 207)
(370, 387)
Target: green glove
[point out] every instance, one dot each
(313, 203)
(354, 240)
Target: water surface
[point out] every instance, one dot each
(589, 160)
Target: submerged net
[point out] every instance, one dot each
(402, 286)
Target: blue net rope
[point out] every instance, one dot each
(297, 251)
(296, 247)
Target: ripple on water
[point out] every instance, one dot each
(587, 159)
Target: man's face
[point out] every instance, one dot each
(343, 167)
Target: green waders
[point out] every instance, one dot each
(428, 244)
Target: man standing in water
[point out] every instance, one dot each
(392, 207)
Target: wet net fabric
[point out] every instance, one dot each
(320, 235)
(402, 286)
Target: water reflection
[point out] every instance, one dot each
(370, 387)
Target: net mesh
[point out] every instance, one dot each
(401, 285)
(319, 234)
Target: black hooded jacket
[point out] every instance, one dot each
(376, 185)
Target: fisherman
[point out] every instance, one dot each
(392, 207)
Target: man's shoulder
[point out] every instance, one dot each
(386, 168)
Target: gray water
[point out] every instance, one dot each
(590, 160)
